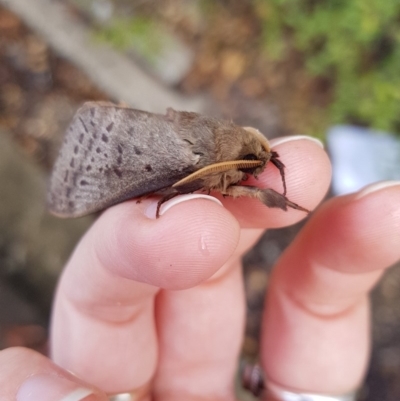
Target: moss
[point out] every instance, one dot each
(138, 33)
(356, 44)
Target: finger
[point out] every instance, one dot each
(201, 329)
(200, 336)
(103, 320)
(316, 323)
(307, 175)
(27, 375)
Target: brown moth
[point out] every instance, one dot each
(112, 153)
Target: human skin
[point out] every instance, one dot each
(156, 306)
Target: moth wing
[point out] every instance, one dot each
(113, 153)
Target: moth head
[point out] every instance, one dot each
(242, 143)
(254, 146)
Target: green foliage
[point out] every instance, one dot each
(355, 43)
(138, 33)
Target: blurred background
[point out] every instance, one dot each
(328, 68)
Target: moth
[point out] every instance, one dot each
(112, 153)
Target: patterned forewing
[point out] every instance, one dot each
(113, 153)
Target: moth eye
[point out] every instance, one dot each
(250, 156)
(250, 170)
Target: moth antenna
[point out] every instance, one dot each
(218, 168)
(281, 167)
(267, 196)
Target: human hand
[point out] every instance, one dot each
(316, 324)
(119, 324)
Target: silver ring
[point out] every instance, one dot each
(136, 395)
(286, 395)
(122, 397)
(253, 379)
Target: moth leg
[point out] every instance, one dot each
(267, 196)
(176, 190)
(142, 198)
(281, 167)
(164, 199)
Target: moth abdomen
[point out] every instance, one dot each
(110, 154)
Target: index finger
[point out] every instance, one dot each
(103, 318)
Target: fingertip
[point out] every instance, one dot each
(307, 167)
(279, 141)
(377, 187)
(364, 227)
(180, 249)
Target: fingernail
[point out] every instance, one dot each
(51, 388)
(284, 139)
(377, 186)
(152, 209)
(79, 394)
